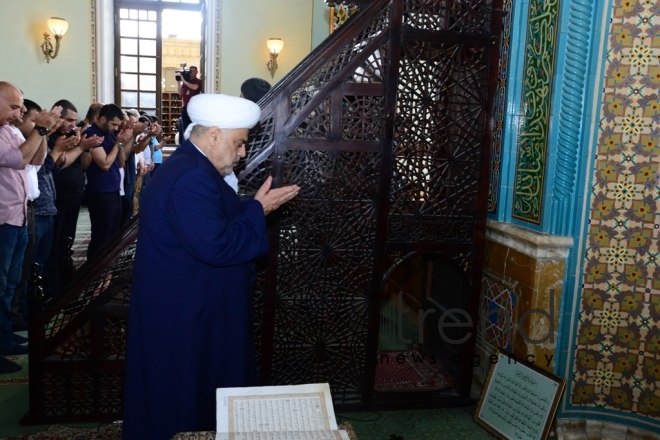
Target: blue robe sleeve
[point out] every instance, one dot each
(215, 229)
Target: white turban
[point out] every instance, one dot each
(223, 111)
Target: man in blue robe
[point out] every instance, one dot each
(190, 325)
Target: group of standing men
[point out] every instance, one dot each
(48, 164)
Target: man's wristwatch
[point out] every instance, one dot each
(43, 131)
(120, 145)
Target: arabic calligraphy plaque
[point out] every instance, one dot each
(519, 400)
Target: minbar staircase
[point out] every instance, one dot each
(386, 127)
(77, 341)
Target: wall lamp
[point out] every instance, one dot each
(58, 26)
(275, 46)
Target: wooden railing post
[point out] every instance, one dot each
(35, 337)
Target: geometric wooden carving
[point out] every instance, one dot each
(384, 128)
(332, 130)
(78, 340)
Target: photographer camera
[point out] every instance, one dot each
(183, 73)
(189, 85)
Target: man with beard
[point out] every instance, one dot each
(69, 192)
(190, 325)
(103, 176)
(91, 116)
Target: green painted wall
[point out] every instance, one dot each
(320, 22)
(22, 25)
(245, 27)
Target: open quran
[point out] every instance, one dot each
(289, 412)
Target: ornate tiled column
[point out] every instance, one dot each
(565, 189)
(613, 323)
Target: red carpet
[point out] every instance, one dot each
(410, 370)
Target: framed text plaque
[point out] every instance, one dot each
(519, 400)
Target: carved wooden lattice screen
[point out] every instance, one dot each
(77, 346)
(386, 127)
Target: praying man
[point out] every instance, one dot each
(190, 325)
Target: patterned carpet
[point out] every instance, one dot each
(57, 432)
(409, 370)
(20, 377)
(113, 432)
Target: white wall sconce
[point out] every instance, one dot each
(275, 46)
(58, 26)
